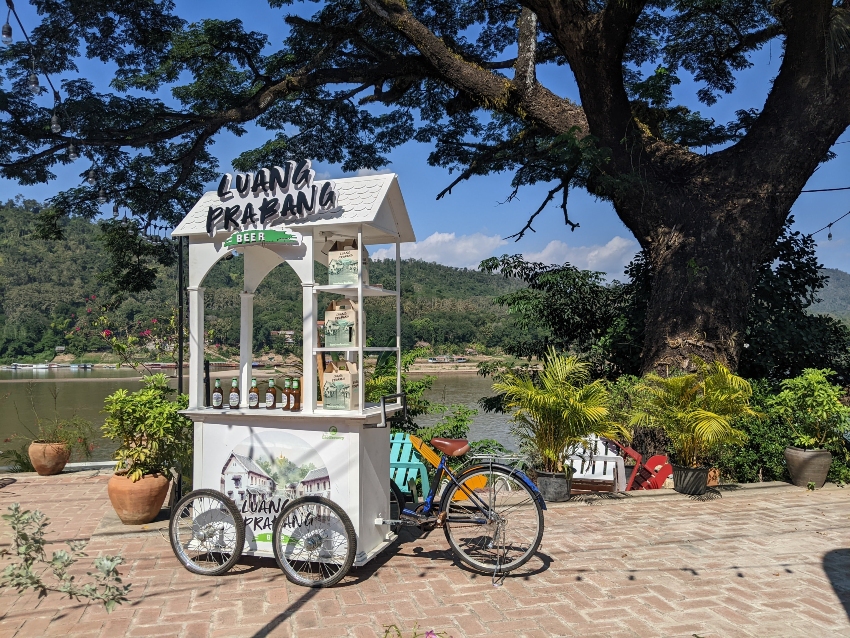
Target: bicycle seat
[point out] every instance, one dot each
(451, 447)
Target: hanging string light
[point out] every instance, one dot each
(829, 237)
(101, 197)
(6, 32)
(32, 81)
(55, 125)
(72, 152)
(829, 227)
(92, 177)
(115, 210)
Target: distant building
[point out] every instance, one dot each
(316, 483)
(242, 478)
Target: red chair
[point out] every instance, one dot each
(646, 476)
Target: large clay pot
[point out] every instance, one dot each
(808, 466)
(690, 480)
(554, 486)
(48, 458)
(137, 503)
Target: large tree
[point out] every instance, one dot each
(362, 76)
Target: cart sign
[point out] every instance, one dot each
(263, 237)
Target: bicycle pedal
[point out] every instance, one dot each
(441, 518)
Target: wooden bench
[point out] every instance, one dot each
(406, 466)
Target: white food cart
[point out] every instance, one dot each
(262, 458)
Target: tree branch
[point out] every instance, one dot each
(525, 76)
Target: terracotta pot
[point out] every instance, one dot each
(714, 476)
(808, 466)
(690, 480)
(48, 458)
(137, 503)
(554, 486)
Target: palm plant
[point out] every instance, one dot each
(696, 410)
(557, 409)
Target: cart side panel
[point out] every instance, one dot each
(374, 496)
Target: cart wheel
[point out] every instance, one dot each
(207, 532)
(314, 542)
(397, 503)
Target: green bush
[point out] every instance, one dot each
(153, 437)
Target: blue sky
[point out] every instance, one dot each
(471, 223)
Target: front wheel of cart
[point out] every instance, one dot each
(207, 532)
(314, 542)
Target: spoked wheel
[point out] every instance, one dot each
(397, 503)
(314, 542)
(207, 532)
(495, 524)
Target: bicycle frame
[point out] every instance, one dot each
(443, 469)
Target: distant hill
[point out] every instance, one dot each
(835, 297)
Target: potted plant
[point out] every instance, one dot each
(56, 440)
(696, 411)
(152, 438)
(553, 412)
(811, 407)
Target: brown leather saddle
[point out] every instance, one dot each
(451, 447)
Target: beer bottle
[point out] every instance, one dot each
(218, 396)
(253, 396)
(271, 396)
(284, 398)
(234, 394)
(295, 397)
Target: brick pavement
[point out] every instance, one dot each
(756, 562)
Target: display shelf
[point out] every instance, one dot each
(368, 349)
(371, 410)
(349, 289)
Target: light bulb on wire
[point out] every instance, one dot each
(101, 197)
(55, 124)
(115, 210)
(72, 152)
(32, 83)
(829, 237)
(6, 37)
(92, 178)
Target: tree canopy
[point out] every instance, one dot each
(358, 78)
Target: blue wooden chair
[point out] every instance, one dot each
(406, 466)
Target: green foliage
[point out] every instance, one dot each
(454, 424)
(697, 411)
(18, 459)
(75, 433)
(761, 456)
(152, 436)
(557, 409)
(30, 566)
(811, 407)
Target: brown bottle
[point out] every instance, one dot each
(271, 396)
(295, 396)
(234, 394)
(253, 396)
(218, 396)
(287, 391)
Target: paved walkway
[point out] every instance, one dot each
(751, 562)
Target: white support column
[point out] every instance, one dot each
(196, 347)
(398, 316)
(361, 324)
(246, 345)
(310, 316)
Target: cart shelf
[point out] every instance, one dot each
(368, 349)
(348, 289)
(371, 411)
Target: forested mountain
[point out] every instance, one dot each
(835, 297)
(52, 295)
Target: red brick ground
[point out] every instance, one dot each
(756, 562)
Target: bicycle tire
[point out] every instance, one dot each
(481, 551)
(294, 556)
(397, 503)
(191, 544)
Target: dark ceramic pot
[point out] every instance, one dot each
(690, 480)
(554, 486)
(808, 466)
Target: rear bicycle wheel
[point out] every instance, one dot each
(207, 532)
(397, 504)
(314, 542)
(495, 524)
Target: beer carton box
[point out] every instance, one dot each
(341, 324)
(341, 387)
(342, 263)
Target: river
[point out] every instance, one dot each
(27, 395)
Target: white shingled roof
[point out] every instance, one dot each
(373, 200)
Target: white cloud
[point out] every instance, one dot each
(363, 172)
(448, 249)
(610, 258)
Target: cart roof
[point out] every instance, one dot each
(375, 201)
